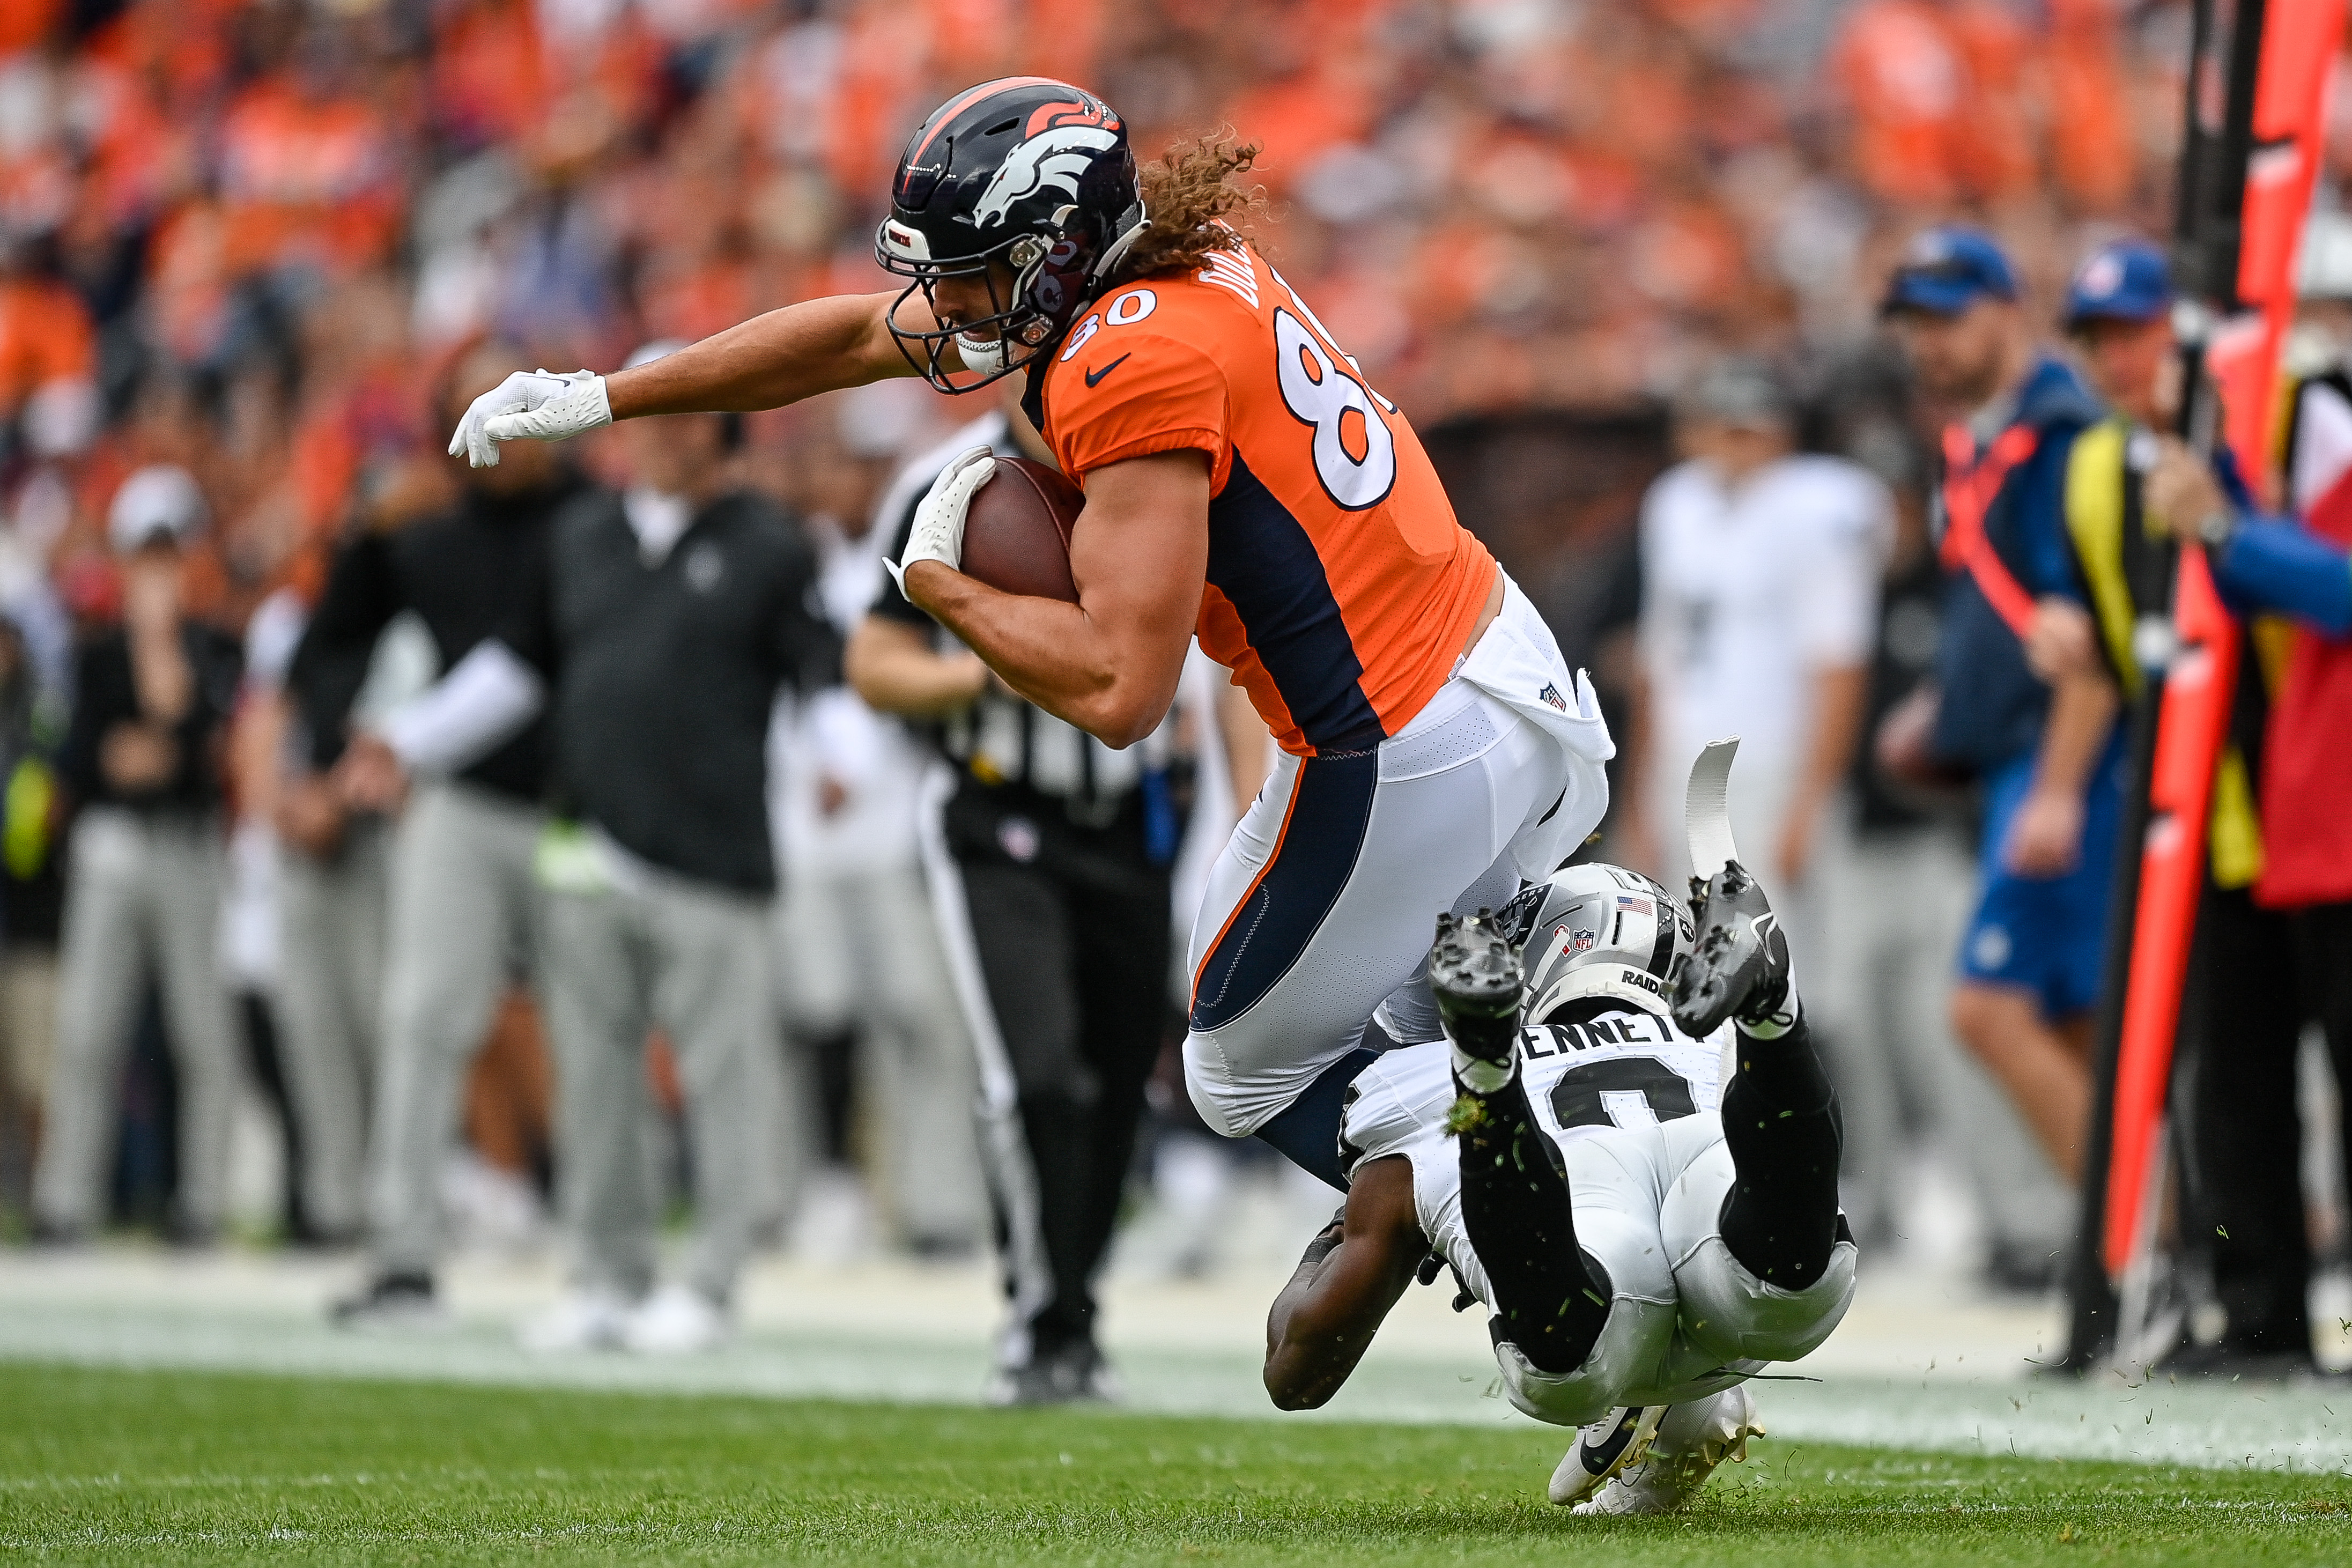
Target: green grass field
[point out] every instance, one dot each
(119, 1467)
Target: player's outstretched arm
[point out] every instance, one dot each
(1352, 1274)
(1109, 663)
(796, 352)
(799, 350)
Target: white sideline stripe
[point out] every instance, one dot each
(2277, 1428)
(1002, 1144)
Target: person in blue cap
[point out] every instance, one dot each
(2236, 1062)
(2118, 315)
(2274, 944)
(2043, 744)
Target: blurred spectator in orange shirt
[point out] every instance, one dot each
(1906, 80)
(45, 344)
(2091, 149)
(1993, 153)
(309, 179)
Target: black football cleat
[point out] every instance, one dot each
(1475, 974)
(1740, 968)
(1075, 1374)
(399, 1300)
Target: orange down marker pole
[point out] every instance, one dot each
(2300, 42)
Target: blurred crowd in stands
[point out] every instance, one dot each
(251, 229)
(251, 242)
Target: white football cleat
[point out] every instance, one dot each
(675, 1319)
(1601, 1451)
(1691, 1440)
(586, 1319)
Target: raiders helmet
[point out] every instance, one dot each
(1025, 170)
(1591, 929)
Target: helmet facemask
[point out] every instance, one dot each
(1026, 184)
(1026, 316)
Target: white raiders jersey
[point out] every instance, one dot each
(1631, 1101)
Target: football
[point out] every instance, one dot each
(1016, 535)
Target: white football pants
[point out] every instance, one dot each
(1325, 900)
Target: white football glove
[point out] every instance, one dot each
(533, 405)
(938, 533)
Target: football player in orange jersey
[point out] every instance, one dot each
(1243, 482)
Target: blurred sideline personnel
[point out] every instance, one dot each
(2235, 1077)
(251, 941)
(1049, 857)
(1647, 1236)
(1760, 588)
(332, 879)
(860, 951)
(32, 715)
(1242, 481)
(2050, 757)
(142, 761)
(465, 914)
(2274, 946)
(657, 641)
(1897, 897)
(249, 944)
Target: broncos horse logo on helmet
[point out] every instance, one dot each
(1027, 171)
(1059, 158)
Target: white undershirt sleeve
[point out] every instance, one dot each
(846, 736)
(484, 700)
(2323, 445)
(1837, 609)
(1652, 636)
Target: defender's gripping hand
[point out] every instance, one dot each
(937, 533)
(530, 405)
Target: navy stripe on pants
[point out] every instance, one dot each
(1330, 807)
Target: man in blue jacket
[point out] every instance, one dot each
(2048, 754)
(2277, 954)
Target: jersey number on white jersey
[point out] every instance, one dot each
(1621, 1092)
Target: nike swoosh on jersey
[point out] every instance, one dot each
(1094, 377)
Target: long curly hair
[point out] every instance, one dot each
(1197, 203)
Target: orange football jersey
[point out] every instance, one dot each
(1340, 586)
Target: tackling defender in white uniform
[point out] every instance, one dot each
(1631, 1159)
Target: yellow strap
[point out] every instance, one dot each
(24, 839)
(2235, 832)
(2094, 516)
(2273, 638)
(2095, 477)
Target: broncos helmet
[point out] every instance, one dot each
(1026, 170)
(1589, 929)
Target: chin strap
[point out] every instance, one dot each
(1131, 225)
